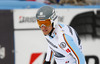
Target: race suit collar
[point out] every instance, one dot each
(51, 33)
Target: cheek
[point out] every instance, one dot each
(50, 28)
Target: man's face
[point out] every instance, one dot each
(46, 29)
(45, 26)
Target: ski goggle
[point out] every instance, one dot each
(46, 22)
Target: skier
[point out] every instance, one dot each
(63, 41)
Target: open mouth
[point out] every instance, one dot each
(44, 30)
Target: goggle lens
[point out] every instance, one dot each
(44, 22)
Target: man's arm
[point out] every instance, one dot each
(45, 62)
(73, 50)
(48, 56)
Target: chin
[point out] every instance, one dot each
(45, 34)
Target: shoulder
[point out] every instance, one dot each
(65, 28)
(61, 25)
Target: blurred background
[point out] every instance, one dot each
(21, 40)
